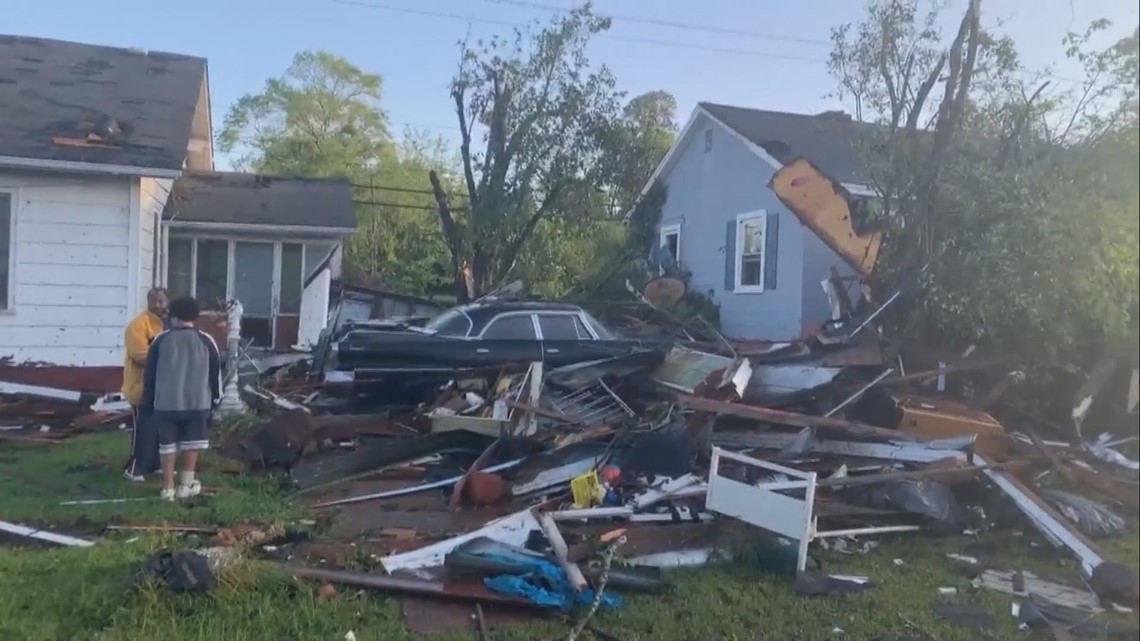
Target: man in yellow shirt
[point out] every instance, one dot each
(140, 333)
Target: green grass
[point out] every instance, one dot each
(84, 594)
(35, 479)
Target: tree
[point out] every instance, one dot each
(569, 254)
(546, 115)
(1020, 202)
(637, 143)
(322, 117)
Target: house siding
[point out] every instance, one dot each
(72, 278)
(705, 191)
(153, 193)
(818, 261)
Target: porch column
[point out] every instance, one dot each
(231, 404)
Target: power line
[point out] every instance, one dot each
(649, 41)
(661, 43)
(403, 190)
(668, 23)
(377, 203)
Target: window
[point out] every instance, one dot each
(314, 254)
(670, 243)
(180, 267)
(450, 323)
(599, 329)
(7, 255)
(750, 232)
(291, 266)
(562, 327)
(708, 140)
(518, 328)
(211, 275)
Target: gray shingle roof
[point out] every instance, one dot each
(827, 139)
(51, 89)
(249, 199)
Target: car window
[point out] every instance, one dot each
(519, 328)
(562, 327)
(599, 329)
(450, 323)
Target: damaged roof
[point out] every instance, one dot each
(73, 102)
(828, 139)
(233, 198)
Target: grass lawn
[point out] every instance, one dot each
(84, 594)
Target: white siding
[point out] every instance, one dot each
(152, 195)
(72, 281)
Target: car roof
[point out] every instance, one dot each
(482, 313)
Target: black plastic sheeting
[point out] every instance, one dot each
(923, 497)
(1091, 518)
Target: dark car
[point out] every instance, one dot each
(398, 356)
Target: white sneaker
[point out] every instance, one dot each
(167, 495)
(189, 490)
(133, 478)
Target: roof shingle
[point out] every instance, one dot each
(250, 199)
(828, 140)
(54, 93)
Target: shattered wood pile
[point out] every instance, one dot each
(519, 485)
(535, 490)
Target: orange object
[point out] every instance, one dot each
(484, 488)
(610, 473)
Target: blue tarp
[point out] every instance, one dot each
(544, 583)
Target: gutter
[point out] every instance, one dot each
(314, 230)
(72, 166)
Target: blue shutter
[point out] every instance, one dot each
(730, 256)
(771, 250)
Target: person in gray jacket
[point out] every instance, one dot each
(181, 385)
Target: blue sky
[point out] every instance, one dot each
(779, 65)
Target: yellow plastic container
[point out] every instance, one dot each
(586, 489)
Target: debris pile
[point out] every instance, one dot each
(553, 475)
(42, 414)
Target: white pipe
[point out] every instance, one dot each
(558, 544)
(40, 535)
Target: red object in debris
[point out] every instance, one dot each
(484, 488)
(326, 591)
(610, 473)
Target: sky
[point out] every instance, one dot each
(766, 54)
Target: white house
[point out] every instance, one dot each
(92, 142)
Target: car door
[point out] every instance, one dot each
(565, 339)
(509, 338)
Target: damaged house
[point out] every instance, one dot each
(107, 189)
(91, 140)
(733, 177)
(259, 240)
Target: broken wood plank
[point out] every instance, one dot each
(790, 418)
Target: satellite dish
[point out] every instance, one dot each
(664, 291)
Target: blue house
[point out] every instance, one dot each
(723, 224)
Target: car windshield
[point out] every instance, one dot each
(453, 322)
(599, 329)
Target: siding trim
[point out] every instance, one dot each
(13, 244)
(15, 162)
(134, 231)
(738, 252)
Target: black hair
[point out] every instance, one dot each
(184, 308)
